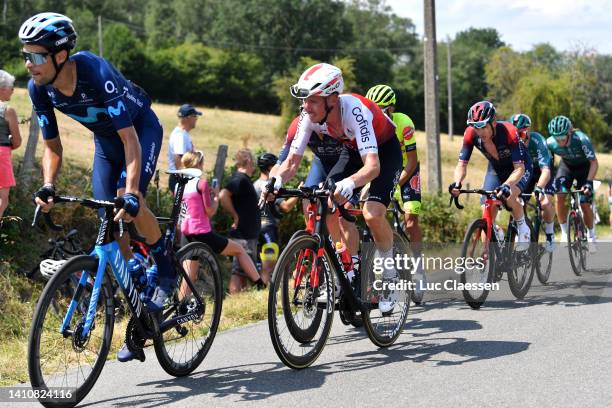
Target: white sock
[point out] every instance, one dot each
(592, 232)
(564, 228)
(522, 225)
(549, 227)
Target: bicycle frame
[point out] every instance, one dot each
(108, 253)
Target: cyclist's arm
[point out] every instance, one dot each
(544, 177)
(517, 173)
(411, 165)
(369, 171)
(593, 167)
(288, 169)
(52, 160)
(288, 204)
(460, 172)
(131, 147)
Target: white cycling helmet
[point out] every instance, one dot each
(48, 267)
(320, 79)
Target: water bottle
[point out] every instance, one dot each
(137, 271)
(499, 233)
(347, 261)
(152, 281)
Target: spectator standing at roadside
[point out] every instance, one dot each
(10, 139)
(240, 200)
(180, 140)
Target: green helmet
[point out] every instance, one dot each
(521, 121)
(559, 126)
(382, 95)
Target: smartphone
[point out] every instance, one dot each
(214, 183)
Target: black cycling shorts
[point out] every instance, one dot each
(382, 187)
(215, 241)
(566, 175)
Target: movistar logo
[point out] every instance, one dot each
(42, 121)
(116, 111)
(92, 115)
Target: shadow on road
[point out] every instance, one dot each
(252, 382)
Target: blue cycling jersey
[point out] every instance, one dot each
(103, 100)
(538, 150)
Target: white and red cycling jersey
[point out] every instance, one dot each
(364, 125)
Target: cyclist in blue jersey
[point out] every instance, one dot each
(127, 135)
(541, 182)
(578, 162)
(508, 161)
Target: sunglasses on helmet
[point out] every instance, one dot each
(36, 58)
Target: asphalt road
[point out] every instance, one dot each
(552, 349)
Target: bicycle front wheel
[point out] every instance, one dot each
(193, 324)
(70, 360)
(475, 245)
(523, 265)
(384, 328)
(300, 314)
(576, 241)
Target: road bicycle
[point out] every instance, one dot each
(69, 342)
(499, 255)
(302, 296)
(577, 234)
(544, 258)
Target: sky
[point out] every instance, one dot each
(565, 24)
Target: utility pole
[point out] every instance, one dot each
(449, 83)
(432, 109)
(100, 36)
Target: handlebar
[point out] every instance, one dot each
(489, 193)
(86, 202)
(309, 193)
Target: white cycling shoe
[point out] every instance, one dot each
(563, 240)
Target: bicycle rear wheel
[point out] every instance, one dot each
(475, 246)
(384, 328)
(183, 347)
(576, 241)
(70, 361)
(544, 263)
(523, 264)
(299, 325)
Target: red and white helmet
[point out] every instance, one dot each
(320, 79)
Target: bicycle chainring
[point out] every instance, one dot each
(134, 338)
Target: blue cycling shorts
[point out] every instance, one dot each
(109, 172)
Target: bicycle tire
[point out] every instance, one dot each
(277, 319)
(381, 334)
(200, 335)
(475, 302)
(300, 334)
(544, 264)
(520, 284)
(574, 244)
(54, 287)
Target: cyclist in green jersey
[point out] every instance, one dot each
(578, 162)
(408, 190)
(541, 182)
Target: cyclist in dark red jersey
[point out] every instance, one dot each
(508, 159)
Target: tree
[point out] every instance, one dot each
(124, 51)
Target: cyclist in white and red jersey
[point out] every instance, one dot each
(370, 151)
